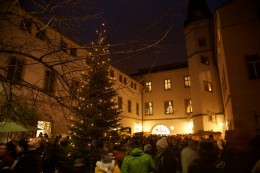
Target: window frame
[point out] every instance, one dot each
(120, 102)
(15, 69)
(186, 81)
(49, 81)
(167, 84)
(148, 108)
(253, 66)
(167, 105)
(208, 86)
(148, 86)
(129, 106)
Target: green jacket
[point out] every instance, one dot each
(137, 162)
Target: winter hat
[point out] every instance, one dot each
(147, 148)
(106, 164)
(162, 143)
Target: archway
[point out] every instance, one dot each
(160, 130)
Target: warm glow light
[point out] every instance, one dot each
(172, 127)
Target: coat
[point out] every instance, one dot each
(137, 162)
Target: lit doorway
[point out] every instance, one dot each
(160, 130)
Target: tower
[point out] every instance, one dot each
(207, 107)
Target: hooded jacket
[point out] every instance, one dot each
(138, 162)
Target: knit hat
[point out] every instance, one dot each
(162, 143)
(147, 148)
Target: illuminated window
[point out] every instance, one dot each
(160, 130)
(129, 105)
(120, 103)
(148, 108)
(148, 86)
(167, 84)
(168, 107)
(15, 68)
(212, 117)
(253, 66)
(49, 81)
(188, 106)
(187, 81)
(204, 60)
(207, 86)
(44, 127)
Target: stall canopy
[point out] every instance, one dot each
(13, 127)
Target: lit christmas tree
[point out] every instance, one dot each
(97, 114)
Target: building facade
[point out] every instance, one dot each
(216, 89)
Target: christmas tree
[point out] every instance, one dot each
(96, 114)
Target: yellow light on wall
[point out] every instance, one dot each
(172, 127)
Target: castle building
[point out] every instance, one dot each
(216, 89)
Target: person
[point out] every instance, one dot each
(165, 160)
(148, 149)
(136, 161)
(188, 154)
(21, 150)
(107, 165)
(30, 161)
(256, 168)
(6, 158)
(208, 153)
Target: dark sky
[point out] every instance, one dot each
(134, 21)
(149, 20)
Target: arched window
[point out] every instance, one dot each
(160, 130)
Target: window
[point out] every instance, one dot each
(137, 109)
(15, 68)
(188, 106)
(73, 52)
(120, 103)
(204, 60)
(125, 80)
(167, 84)
(168, 107)
(253, 66)
(187, 81)
(148, 108)
(207, 86)
(135, 86)
(132, 85)
(129, 106)
(63, 46)
(120, 78)
(202, 42)
(212, 117)
(74, 86)
(41, 34)
(49, 81)
(112, 73)
(26, 25)
(148, 86)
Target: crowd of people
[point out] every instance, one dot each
(136, 154)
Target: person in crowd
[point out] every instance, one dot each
(30, 161)
(148, 149)
(188, 154)
(165, 160)
(208, 153)
(21, 150)
(6, 158)
(136, 161)
(107, 165)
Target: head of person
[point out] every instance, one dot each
(208, 151)
(21, 146)
(147, 148)
(34, 143)
(3, 149)
(162, 144)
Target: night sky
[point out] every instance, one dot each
(149, 20)
(131, 22)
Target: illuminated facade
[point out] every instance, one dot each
(216, 89)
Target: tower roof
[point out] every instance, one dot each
(197, 10)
